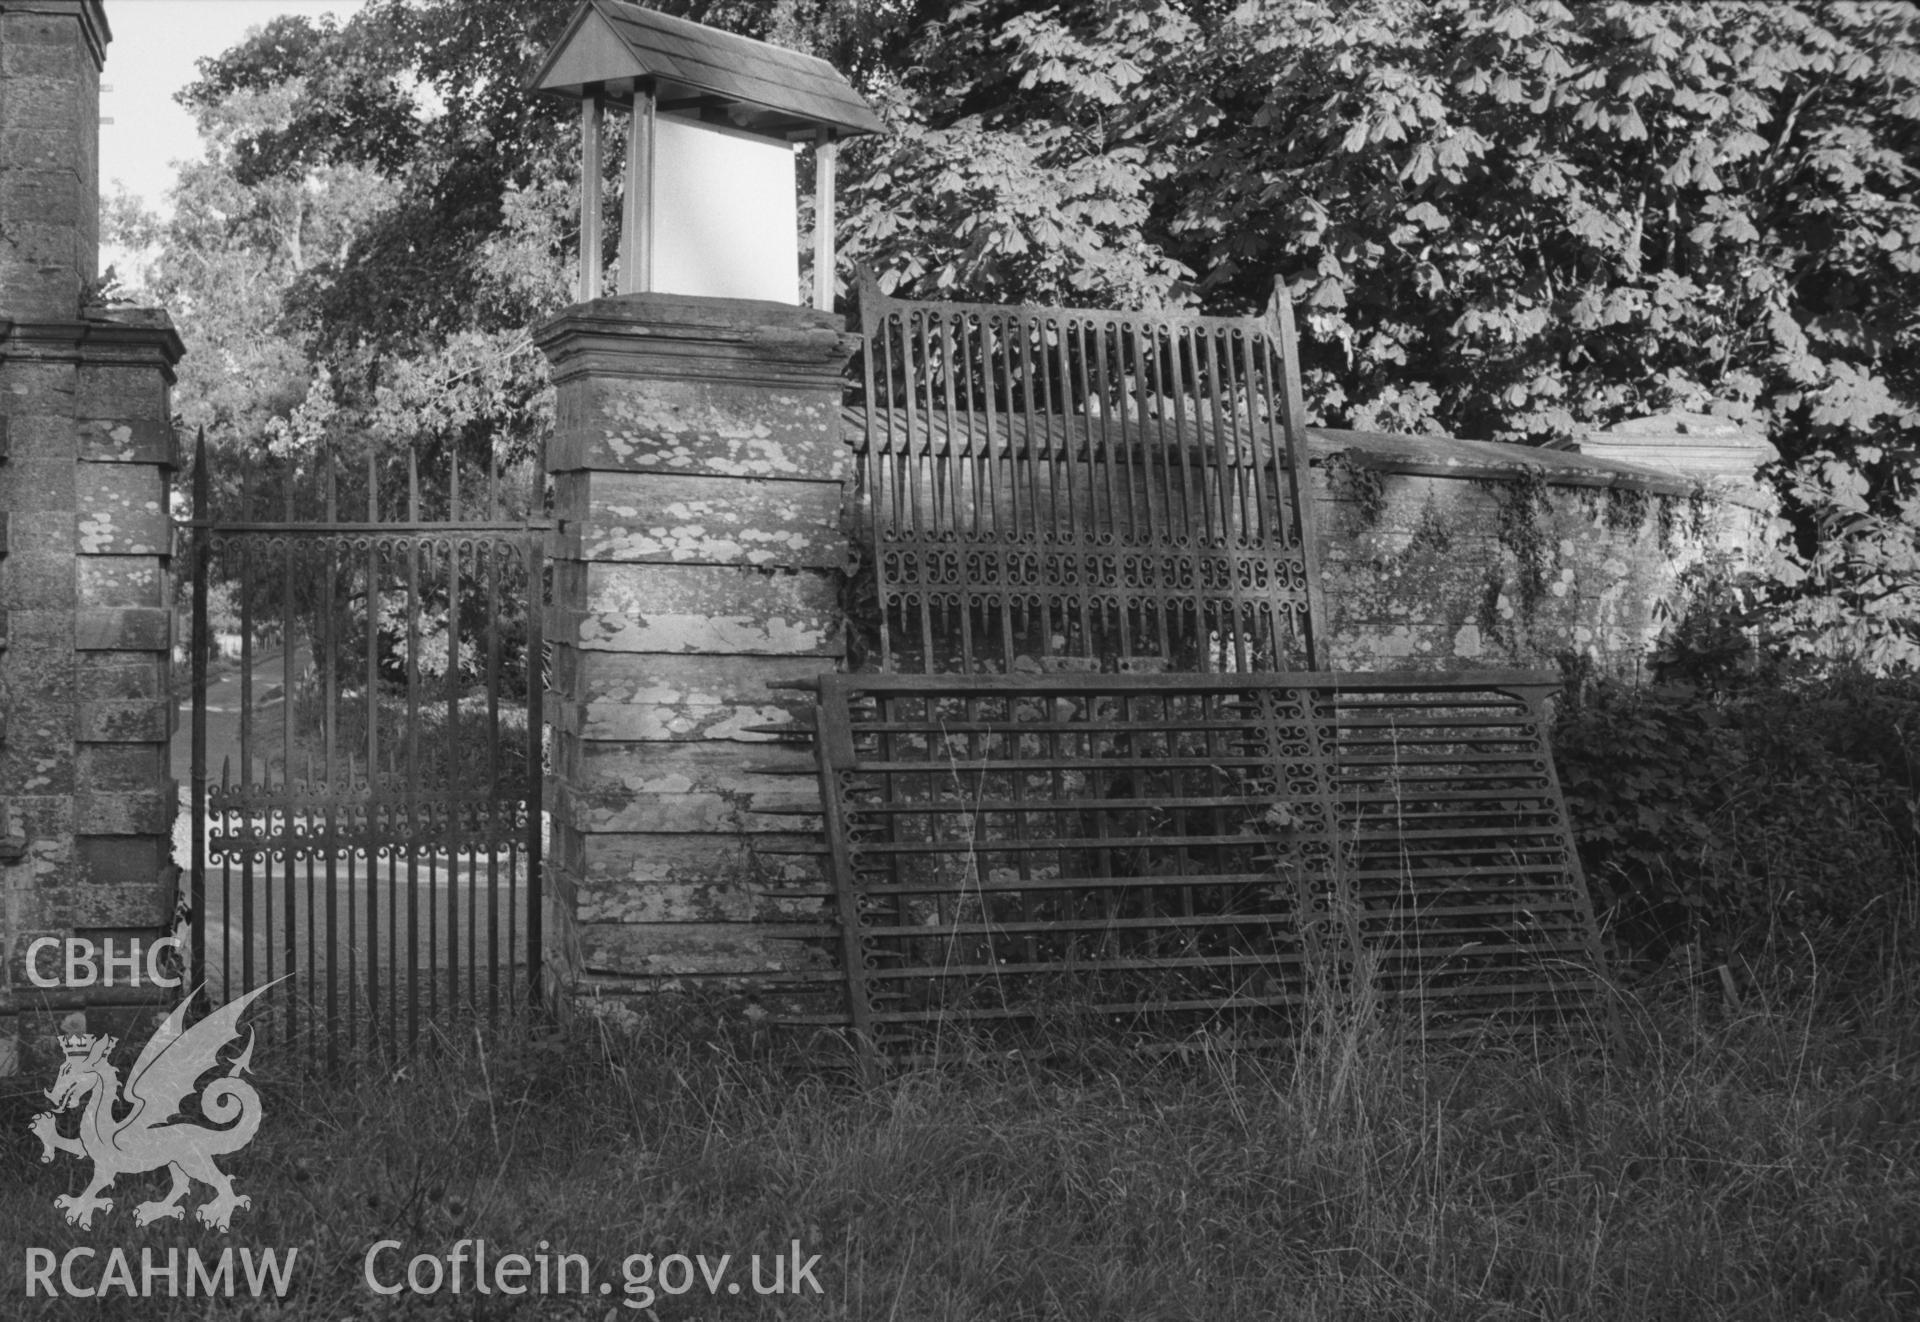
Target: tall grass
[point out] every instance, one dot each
(1730, 1160)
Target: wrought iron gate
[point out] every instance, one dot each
(366, 764)
(1164, 850)
(1103, 768)
(1057, 488)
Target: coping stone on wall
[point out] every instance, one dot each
(1653, 465)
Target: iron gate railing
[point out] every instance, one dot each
(365, 804)
(1053, 487)
(1161, 851)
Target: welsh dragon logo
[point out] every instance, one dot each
(151, 1134)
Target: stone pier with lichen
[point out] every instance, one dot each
(86, 797)
(698, 558)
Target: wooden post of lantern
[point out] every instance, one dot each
(636, 228)
(826, 152)
(590, 274)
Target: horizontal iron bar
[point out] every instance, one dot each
(1167, 923)
(1084, 967)
(1329, 681)
(1143, 881)
(1174, 724)
(876, 766)
(1514, 870)
(1049, 844)
(973, 807)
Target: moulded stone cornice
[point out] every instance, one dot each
(128, 335)
(679, 337)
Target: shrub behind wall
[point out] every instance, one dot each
(1776, 823)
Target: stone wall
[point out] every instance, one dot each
(85, 794)
(1438, 553)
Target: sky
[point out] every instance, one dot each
(155, 44)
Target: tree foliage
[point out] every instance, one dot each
(1514, 219)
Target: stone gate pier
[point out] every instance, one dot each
(86, 455)
(699, 477)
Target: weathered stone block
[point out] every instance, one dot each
(127, 812)
(38, 572)
(34, 386)
(611, 865)
(121, 509)
(127, 440)
(40, 47)
(125, 721)
(44, 198)
(682, 788)
(693, 949)
(120, 580)
(672, 519)
(123, 629)
(122, 859)
(41, 486)
(147, 905)
(121, 766)
(608, 899)
(46, 819)
(47, 256)
(699, 427)
(710, 609)
(37, 149)
(630, 696)
(120, 675)
(122, 393)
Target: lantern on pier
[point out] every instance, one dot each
(713, 120)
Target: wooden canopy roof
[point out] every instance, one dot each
(611, 47)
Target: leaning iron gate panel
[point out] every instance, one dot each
(1166, 851)
(366, 803)
(1060, 488)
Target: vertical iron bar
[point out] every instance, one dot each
(375, 790)
(1006, 478)
(1158, 555)
(1223, 476)
(1266, 525)
(290, 937)
(883, 464)
(536, 729)
(926, 481)
(326, 663)
(834, 751)
(493, 763)
(455, 776)
(1047, 462)
(413, 837)
(1287, 345)
(247, 796)
(200, 662)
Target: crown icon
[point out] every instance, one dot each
(74, 1039)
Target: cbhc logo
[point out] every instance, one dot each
(82, 971)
